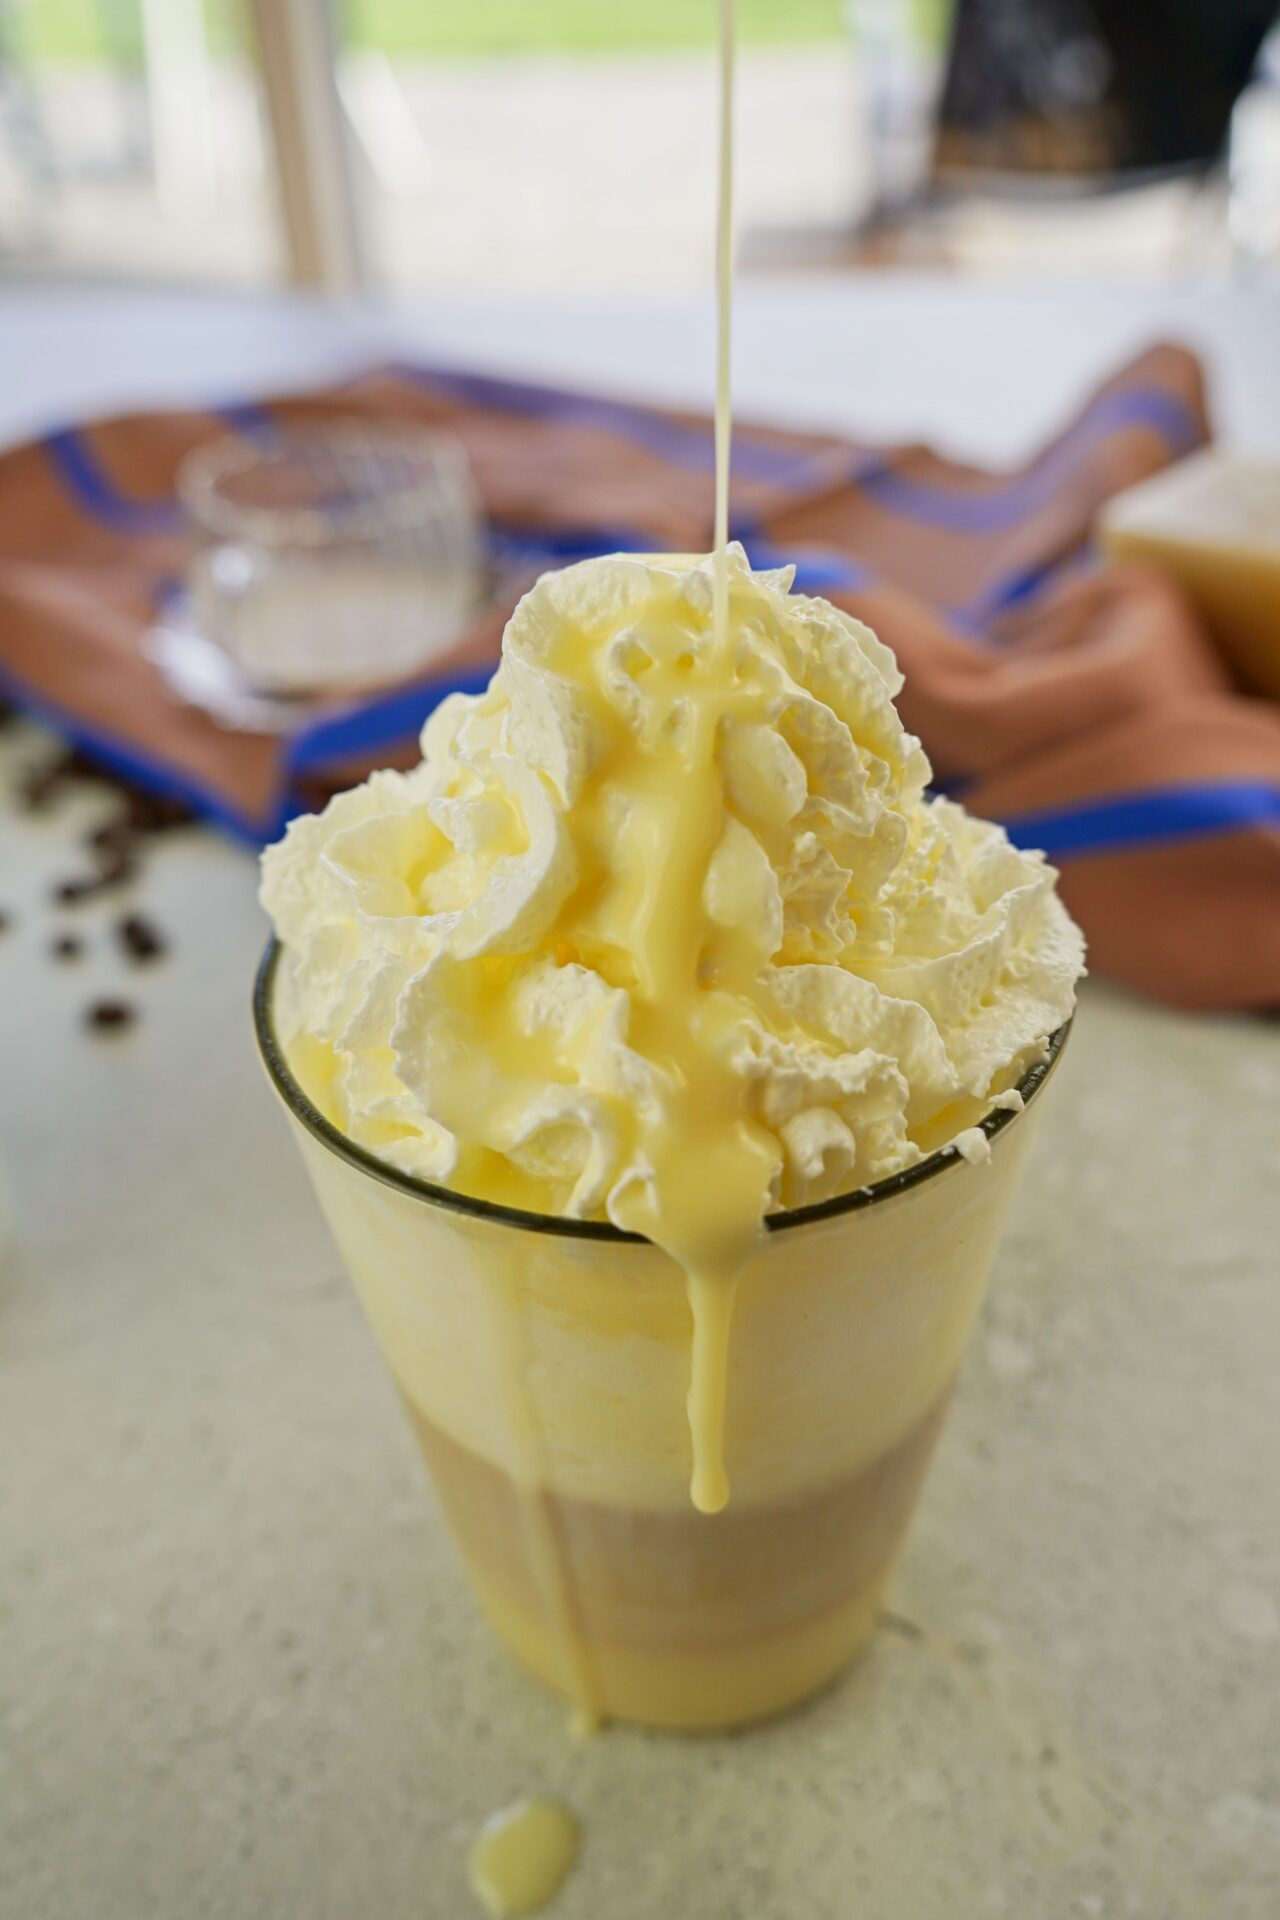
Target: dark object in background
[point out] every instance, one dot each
(1093, 88)
(68, 893)
(143, 811)
(116, 845)
(116, 848)
(109, 1016)
(141, 939)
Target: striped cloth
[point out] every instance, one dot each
(1080, 704)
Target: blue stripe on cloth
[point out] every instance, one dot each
(954, 787)
(523, 547)
(1020, 591)
(378, 723)
(816, 569)
(92, 489)
(683, 446)
(1159, 816)
(247, 417)
(936, 506)
(1005, 506)
(156, 775)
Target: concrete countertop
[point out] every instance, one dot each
(241, 1675)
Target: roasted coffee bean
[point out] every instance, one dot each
(112, 873)
(113, 838)
(140, 938)
(155, 812)
(39, 784)
(110, 1016)
(117, 845)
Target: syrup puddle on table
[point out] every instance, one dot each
(521, 1857)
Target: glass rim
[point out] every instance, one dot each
(304, 1110)
(442, 472)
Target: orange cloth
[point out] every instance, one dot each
(1081, 704)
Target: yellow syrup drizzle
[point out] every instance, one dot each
(521, 1856)
(648, 820)
(712, 1279)
(712, 1167)
(724, 315)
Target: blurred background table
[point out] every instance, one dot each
(240, 1672)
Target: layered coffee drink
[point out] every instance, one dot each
(665, 1060)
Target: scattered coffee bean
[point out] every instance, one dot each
(139, 813)
(38, 786)
(113, 840)
(110, 1016)
(67, 946)
(155, 812)
(117, 846)
(141, 939)
(113, 870)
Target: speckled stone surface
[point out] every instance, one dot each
(242, 1678)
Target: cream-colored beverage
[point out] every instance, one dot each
(637, 1015)
(661, 1055)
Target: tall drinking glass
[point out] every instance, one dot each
(544, 1365)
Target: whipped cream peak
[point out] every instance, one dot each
(665, 929)
(487, 945)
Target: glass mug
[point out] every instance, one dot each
(332, 559)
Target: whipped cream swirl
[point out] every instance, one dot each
(650, 889)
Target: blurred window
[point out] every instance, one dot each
(563, 149)
(132, 142)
